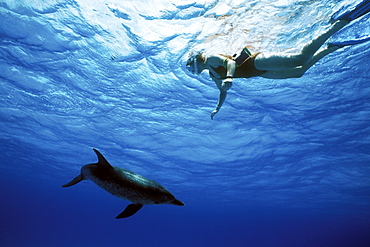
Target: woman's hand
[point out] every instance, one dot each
(214, 113)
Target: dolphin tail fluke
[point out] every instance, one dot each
(74, 181)
(129, 211)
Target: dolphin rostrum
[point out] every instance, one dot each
(125, 184)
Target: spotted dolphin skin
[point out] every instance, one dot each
(125, 184)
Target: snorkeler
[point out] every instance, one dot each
(222, 68)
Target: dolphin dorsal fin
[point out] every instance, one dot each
(101, 160)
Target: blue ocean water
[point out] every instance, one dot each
(284, 163)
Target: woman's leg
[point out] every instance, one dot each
(300, 70)
(287, 61)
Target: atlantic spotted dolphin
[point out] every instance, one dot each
(125, 184)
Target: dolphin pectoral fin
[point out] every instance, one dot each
(129, 211)
(74, 181)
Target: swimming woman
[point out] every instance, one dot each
(222, 68)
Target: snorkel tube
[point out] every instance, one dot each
(192, 64)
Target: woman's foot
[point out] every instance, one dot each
(354, 13)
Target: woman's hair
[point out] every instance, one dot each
(201, 57)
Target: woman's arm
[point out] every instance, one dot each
(222, 97)
(230, 68)
(219, 60)
(221, 100)
(225, 84)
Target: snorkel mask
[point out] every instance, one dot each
(192, 64)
